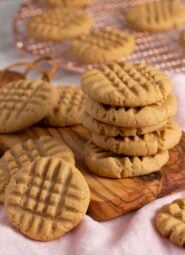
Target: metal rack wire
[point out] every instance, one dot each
(159, 49)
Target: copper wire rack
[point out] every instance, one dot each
(159, 49)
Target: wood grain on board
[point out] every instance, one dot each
(111, 198)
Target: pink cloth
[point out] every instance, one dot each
(133, 234)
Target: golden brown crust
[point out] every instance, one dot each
(46, 199)
(126, 84)
(102, 46)
(24, 103)
(24, 153)
(70, 105)
(170, 221)
(108, 164)
(133, 117)
(59, 24)
(156, 15)
(111, 130)
(145, 145)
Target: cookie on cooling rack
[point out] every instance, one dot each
(156, 15)
(46, 199)
(108, 164)
(170, 221)
(77, 3)
(102, 46)
(24, 153)
(59, 24)
(24, 103)
(144, 145)
(69, 108)
(126, 84)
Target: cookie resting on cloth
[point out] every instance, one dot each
(46, 199)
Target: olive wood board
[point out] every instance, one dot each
(111, 198)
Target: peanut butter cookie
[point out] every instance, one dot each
(46, 199)
(156, 16)
(144, 145)
(170, 221)
(133, 117)
(108, 164)
(111, 130)
(59, 24)
(126, 84)
(102, 46)
(24, 103)
(68, 110)
(24, 153)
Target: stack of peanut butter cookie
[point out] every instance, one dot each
(129, 110)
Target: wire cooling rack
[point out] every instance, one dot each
(159, 49)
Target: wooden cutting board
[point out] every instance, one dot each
(111, 198)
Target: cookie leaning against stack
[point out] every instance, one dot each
(128, 109)
(68, 109)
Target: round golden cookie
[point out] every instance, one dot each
(156, 15)
(182, 39)
(144, 145)
(102, 46)
(126, 84)
(68, 110)
(46, 199)
(24, 103)
(77, 3)
(170, 221)
(111, 130)
(133, 117)
(24, 153)
(108, 164)
(59, 24)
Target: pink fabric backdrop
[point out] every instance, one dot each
(133, 234)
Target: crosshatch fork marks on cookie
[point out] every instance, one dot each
(46, 183)
(111, 198)
(49, 192)
(25, 152)
(24, 103)
(126, 84)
